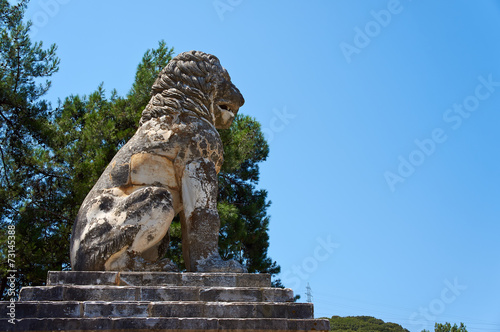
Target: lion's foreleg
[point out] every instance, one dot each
(201, 220)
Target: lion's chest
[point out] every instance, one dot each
(157, 155)
(197, 140)
(207, 146)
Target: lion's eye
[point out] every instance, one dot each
(225, 107)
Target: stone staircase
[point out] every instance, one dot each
(159, 301)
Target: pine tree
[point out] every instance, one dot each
(24, 133)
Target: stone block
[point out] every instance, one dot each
(198, 324)
(253, 280)
(277, 295)
(238, 324)
(169, 294)
(115, 309)
(178, 309)
(190, 309)
(144, 324)
(165, 324)
(81, 278)
(209, 279)
(21, 309)
(229, 310)
(299, 311)
(46, 293)
(33, 309)
(308, 325)
(270, 310)
(149, 279)
(103, 293)
(53, 309)
(55, 278)
(226, 294)
(48, 324)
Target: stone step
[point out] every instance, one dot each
(155, 293)
(166, 324)
(158, 279)
(95, 309)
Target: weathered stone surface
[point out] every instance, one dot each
(308, 325)
(170, 165)
(41, 293)
(191, 309)
(246, 294)
(169, 294)
(34, 309)
(81, 278)
(165, 324)
(154, 293)
(115, 309)
(277, 295)
(179, 309)
(150, 168)
(158, 279)
(187, 302)
(149, 279)
(258, 310)
(250, 280)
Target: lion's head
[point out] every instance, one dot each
(197, 83)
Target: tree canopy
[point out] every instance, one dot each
(363, 324)
(27, 185)
(447, 327)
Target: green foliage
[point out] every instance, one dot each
(27, 194)
(152, 63)
(438, 327)
(244, 229)
(363, 323)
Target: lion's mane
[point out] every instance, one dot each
(186, 83)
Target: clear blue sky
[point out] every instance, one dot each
(383, 120)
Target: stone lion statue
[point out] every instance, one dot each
(168, 167)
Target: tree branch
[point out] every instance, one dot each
(52, 213)
(4, 166)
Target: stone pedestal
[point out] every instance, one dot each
(161, 301)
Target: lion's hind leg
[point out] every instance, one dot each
(150, 209)
(118, 232)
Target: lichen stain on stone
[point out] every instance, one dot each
(106, 203)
